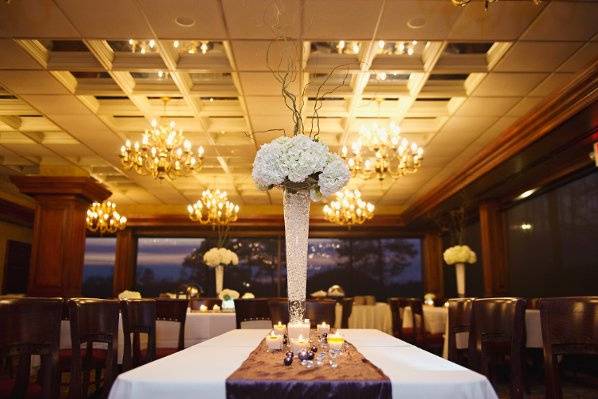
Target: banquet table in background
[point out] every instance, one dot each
(201, 371)
(376, 316)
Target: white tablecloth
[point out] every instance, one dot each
(201, 370)
(533, 332)
(376, 316)
(434, 317)
(198, 328)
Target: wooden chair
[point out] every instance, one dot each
(498, 329)
(31, 326)
(316, 311)
(397, 319)
(92, 321)
(208, 302)
(421, 336)
(459, 321)
(251, 309)
(138, 317)
(172, 310)
(569, 326)
(533, 303)
(347, 304)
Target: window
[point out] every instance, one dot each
(383, 267)
(98, 267)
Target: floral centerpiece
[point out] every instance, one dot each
(217, 258)
(459, 255)
(305, 169)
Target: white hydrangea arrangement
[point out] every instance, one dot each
(298, 163)
(220, 257)
(459, 254)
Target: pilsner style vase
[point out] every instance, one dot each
(219, 270)
(296, 226)
(460, 272)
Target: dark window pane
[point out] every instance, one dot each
(256, 272)
(327, 264)
(98, 267)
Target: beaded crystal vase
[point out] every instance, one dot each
(296, 226)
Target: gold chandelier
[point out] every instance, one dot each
(463, 3)
(163, 152)
(213, 208)
(103, 218)
(381, 152)
(348, 209)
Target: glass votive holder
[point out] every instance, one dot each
(280, 328)
(298, 344)
(274, 342)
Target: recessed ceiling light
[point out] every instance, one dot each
(527, 193)
(416, 22)
(185, 22)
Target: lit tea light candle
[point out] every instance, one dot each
(296, 329)
(274, 342)
(335, 341)
(203, 308)
(323, 328)
(280, 328)
(299, 343)
(216, 308)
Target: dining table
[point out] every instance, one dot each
(204, 370)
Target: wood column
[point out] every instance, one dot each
(124, 262)
(494, 256)
(433, 272)
(58, 244)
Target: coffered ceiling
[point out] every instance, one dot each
(71, 90)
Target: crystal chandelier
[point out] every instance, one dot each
(463, 3)
(143, 46)
(381, 152)
(192, 46)
(213, 208)
(163, 152)
(348, 209)
(103, 218)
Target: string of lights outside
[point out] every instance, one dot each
(348, 209)
(381, 152)
(104, 219)
(163, 152)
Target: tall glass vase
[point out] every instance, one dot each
(460, 274)
(296, 226)
(219, 270)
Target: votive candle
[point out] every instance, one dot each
(335, 341)
(280, 328)
(323, 328)
(299, 343)
(203, 308)
(274, 342)
(298, 329)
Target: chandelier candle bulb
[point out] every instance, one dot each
(280, 328)
(323, 328)
(274, 342)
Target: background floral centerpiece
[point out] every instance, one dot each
(218, 258)
(459, 255)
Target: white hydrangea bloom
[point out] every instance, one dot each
(303, 157)
(334, 177)
(459, 254)
(267, 168)
(220, 257)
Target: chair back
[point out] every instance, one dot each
(92, 320)
(173, 310)
(319, 311)
(498, 328)
(533, 303)
(459, 321)
(569, 326)
(316, 311)
(139, 317)
(32, 328)
(397, 320)
(279, 310)
(251, 309)
(347, 304)
(208, 302)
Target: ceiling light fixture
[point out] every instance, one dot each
(397, 48)
(381, 152)
(143, 46)
(348, 209)
(213, 208)
(163, 152)
(527, 193)
(185, 22)
(193, 46)
(104, 219)
(463, 3)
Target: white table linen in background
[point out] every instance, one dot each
(435, 318)
(376, 316)
(201, 371)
